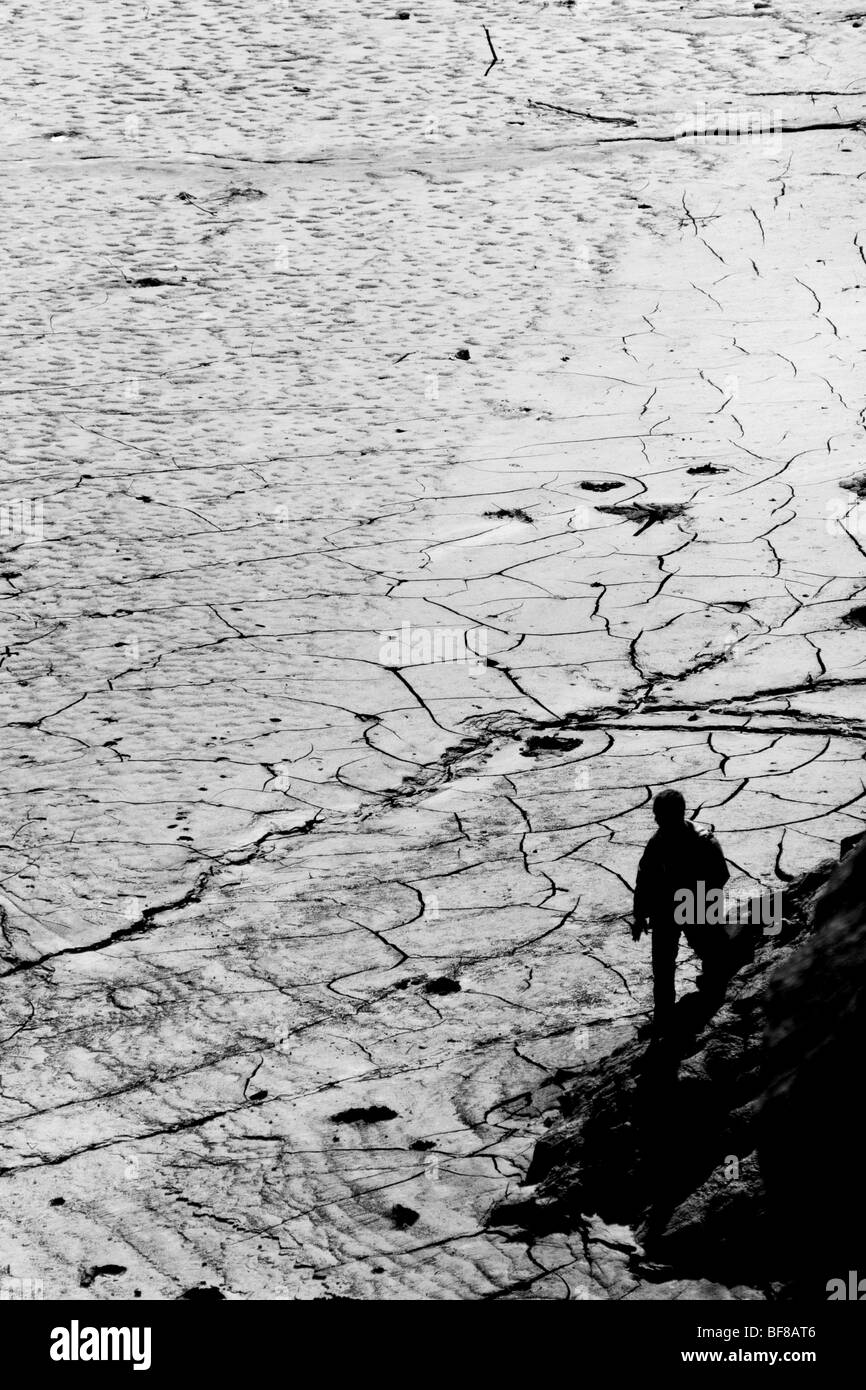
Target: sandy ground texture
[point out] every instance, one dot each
(410, 466)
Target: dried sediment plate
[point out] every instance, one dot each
(428, 473)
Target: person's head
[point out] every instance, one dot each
(669, 808)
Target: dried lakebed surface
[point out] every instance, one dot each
(316, 334)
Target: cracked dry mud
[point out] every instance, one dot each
(245, 862)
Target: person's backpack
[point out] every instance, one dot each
(714, 869)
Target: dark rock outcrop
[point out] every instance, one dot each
(732, 1148)
(810, 1124)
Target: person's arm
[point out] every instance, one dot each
(642, 895)
(717, 873)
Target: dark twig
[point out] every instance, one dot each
(492, 50)
(587, 115)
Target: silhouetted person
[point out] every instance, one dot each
(681, 858)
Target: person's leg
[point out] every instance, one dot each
(710, 945)
(666, 940)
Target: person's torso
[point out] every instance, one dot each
(680, 861)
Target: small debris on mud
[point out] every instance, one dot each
(549, 743)
(403, 1217)
(364, 1115)
(442, 985)
(97, 1271)
(510, 513)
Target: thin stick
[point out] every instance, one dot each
(586, 115)
(492, 50)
